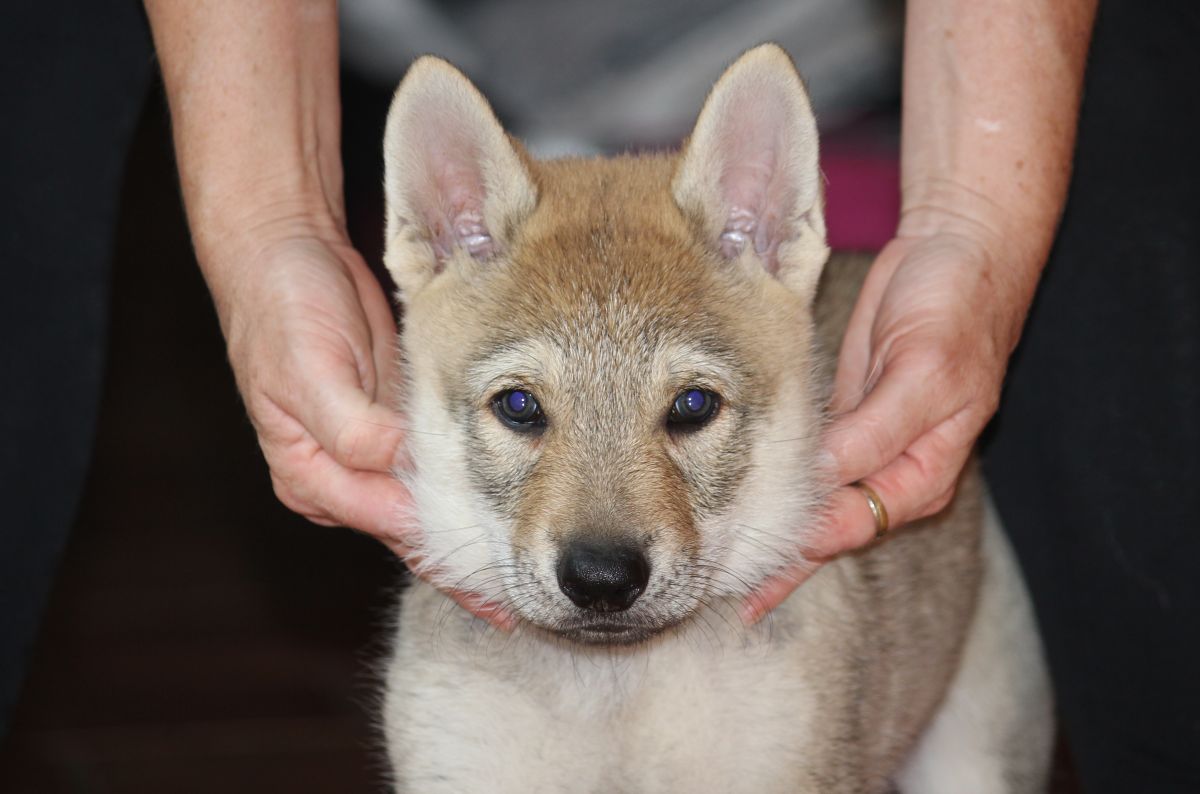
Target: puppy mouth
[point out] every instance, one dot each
(606, 634)
(609, 631)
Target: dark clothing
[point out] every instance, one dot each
(72, 80)
(1094, 461)
(1093, 458)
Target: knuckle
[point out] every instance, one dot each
(350, 442)
(942, 501)
(345, 443)
(285, 494)
(943, 486)
(289, 496)
(944, 481)
(988, 401)
(937, 486)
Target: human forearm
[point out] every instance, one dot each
(253, 90)
(991, 95)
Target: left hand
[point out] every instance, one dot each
(919, 375)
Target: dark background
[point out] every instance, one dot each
(200, 637)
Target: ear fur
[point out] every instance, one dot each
(750, 174)
(456, 185)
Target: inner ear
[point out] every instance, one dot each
(451, 205)
(750, 182)
(449, 190)
(455, 183)
(749, 173)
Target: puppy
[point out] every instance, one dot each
(614, 373)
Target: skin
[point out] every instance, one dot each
(253, 90)
(990, 100)
(991, 93)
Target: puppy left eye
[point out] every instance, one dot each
(519, 409)
(693, 408)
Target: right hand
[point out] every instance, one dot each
(311, 339)
(919, 376)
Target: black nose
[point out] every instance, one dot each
(603, 578)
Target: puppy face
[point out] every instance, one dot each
(607, 362)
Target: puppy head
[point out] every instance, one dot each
(608, 368)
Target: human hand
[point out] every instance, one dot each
(987, 134)
(918, 377)
(311, 341)
(309, 336)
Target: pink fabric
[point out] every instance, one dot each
(862, 195)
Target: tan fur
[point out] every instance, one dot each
(605, 287)
(610, 277)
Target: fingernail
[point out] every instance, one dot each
(493, 613)
(750, 611)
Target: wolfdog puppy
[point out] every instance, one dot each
(614, 374)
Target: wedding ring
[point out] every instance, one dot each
(876, 506)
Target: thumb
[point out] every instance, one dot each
(894, 413)
(354, 430)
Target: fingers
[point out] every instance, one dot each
(382, 324)
(918, 483)
(853, 377)
(374, 503)
(313, 368)
(490, 611)
(896, 412)
(848, 523)
(887, 440)
(325, 492)
(856, 369)
(851, 382)
(773, 592)
(356, 432)
(919, 374)
(323, 355)
(493, 613)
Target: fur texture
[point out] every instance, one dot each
(606, 288)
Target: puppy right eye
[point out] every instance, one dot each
(692, 409)
(518, 409)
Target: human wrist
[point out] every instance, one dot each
(272, 258)
(996, 269)
(1017, 232)
(932, 206)
(255, 221)
(990, 100)
(252, 184)
(253, 91)
(245, 189)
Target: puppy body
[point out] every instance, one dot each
(606, 288)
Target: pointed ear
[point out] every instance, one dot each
(749, 175)
(456, 186)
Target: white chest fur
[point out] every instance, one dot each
(833, 694)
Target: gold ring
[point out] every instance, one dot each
(877, 508)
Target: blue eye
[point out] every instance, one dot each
(518, 409)
(693, 407)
